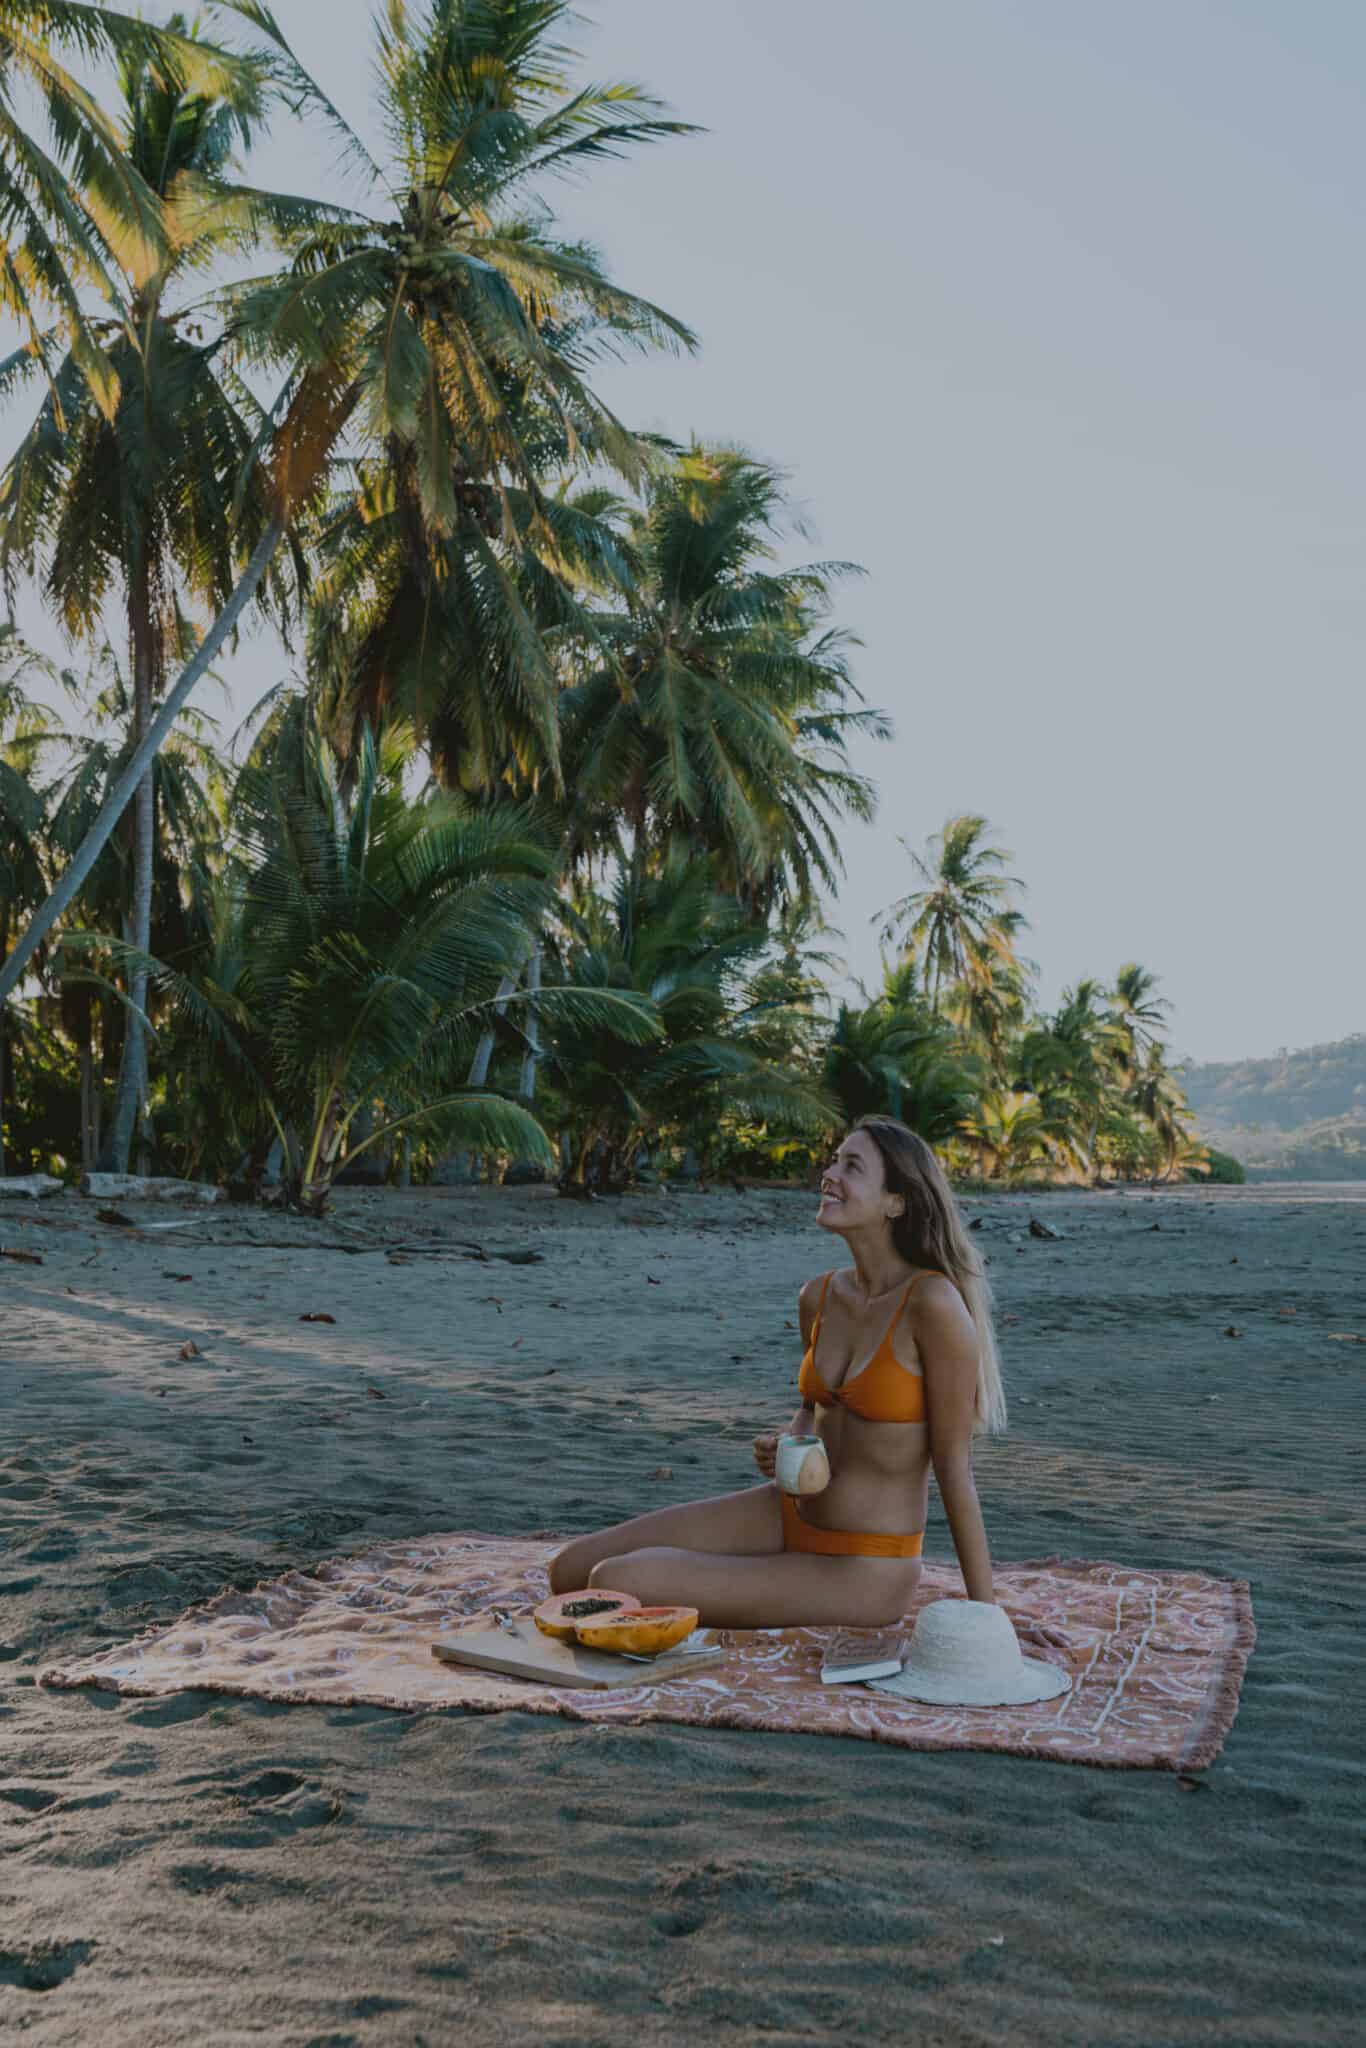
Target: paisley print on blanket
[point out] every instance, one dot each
(1155, 1657)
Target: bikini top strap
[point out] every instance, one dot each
(820, 1307)
(906, 1292)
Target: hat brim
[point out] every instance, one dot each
(1032, 1682)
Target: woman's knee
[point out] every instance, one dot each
(569, 1568)
(650, 1574)
(616, 1574)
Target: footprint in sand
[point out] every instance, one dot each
(274, 1804)
(229, 1884)
(677, 1924)
(641, 1817)
(44, 1966)
(167, 1713)
(29, 1799)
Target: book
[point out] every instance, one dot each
(853, 1659)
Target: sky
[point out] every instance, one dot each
(1055, 315)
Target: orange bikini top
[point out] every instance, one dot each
(884, 1390)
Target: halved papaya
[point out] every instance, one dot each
(640, 1632)
(559, 1617)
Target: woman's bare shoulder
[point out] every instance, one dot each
(935, 1289)
(938, 1305)
(811, 1290)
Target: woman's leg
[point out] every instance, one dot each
(794, 1590)
(749, 1523)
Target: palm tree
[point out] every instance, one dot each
(1155, 1092)
(460, 634)
(720, 718)
(354, 953)
(25, 732)
(990, 1005)
(894, 1057)
(141, 500)
(467, 327)
(79, 211)
(787, 1014)
(1070, 1061)
(429, 328)
(1138, 1010)
(189, 808)
(1013, 1131)
(961, 920)
(687, 952)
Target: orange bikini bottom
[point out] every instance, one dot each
(799, 1534)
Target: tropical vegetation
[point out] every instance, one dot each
(529, 857)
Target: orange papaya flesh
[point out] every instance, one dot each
(557, 1617)
(641, 1632)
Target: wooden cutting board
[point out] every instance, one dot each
(529, 1654)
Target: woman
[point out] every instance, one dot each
(900, 1369)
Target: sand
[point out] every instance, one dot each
(229, 1872)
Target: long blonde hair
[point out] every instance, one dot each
(930, 1232)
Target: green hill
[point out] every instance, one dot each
(1295, 1116)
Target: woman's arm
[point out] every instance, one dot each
(946, 1339)
(803, 1422)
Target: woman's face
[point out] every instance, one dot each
(854, 1192)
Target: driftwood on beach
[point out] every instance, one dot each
(141, 1187)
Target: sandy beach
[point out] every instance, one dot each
(238, 1872)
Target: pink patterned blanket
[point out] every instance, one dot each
(1156, 1658)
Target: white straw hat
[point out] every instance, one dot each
(965, 1653)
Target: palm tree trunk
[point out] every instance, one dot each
(4, 939)
(527, 1087)
(132, 1087)
(528, 1172)
(115, 804)
(455, 1170)
(483, 1055)
(89, 1131)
